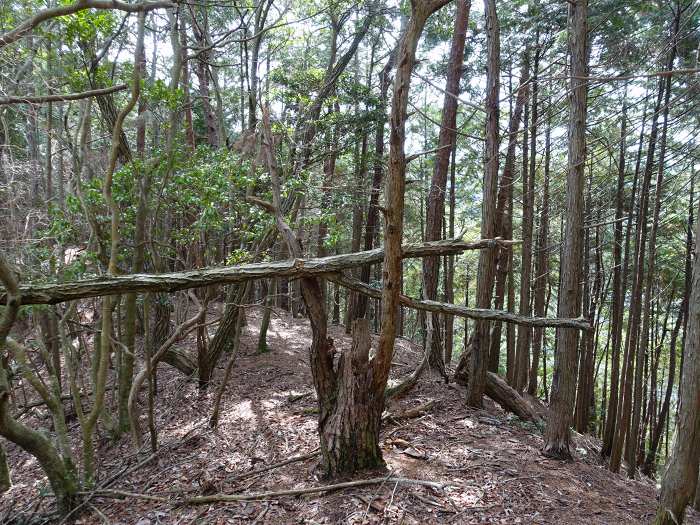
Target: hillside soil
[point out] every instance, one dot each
(489, 461)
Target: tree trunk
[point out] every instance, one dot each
(201, 31)
(522, 350)
(5, 477)
(438, 185)
(504, 216)
(372, 222)
(681, 476)
(634, 430)
(557, 434)
(618, 297)
(649, 466)
(350, 434)
(450, 260)
(541, 263)
(267, 291)
(624, 411)
(479, 345)
(351, 441)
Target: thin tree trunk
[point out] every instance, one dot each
(450, 272)
(541, 262)
(504, 216)
(522, 351)
(438, 184)
(372, 222)
(617, 306)
(473, 364)
(634, 430)
(624, 411)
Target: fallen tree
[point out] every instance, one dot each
(506, 396)
(175, 281)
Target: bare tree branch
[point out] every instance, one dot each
(79, 5)
(463, 311)
(62, 98)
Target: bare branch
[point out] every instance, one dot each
(463, 311)
(265, 205)
(62, 98)
(79, 5)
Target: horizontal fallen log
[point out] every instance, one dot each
(175, 281)
(462, 311)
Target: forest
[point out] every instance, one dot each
(333, 261)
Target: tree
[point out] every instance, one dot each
(438, 185)
(557, 432)
(473, 363)
(681, 474)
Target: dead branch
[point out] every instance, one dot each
(308, 490)
(462, 311)
(62, 98)
(273, 466)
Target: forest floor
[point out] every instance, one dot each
(488, 460)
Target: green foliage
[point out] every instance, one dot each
(87, 25)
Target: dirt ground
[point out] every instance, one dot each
(488, 460)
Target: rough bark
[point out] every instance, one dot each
(681, 475)
(394, 198)
(504, 217)
(479, 344)
(175, 281)
(438, 186)
(509, 398)
(463, 311)
(557, 432)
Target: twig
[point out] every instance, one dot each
(520, 478)
(427, 152)
(308, 490)
(260, 470)
(100, 514)
(114, 493)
